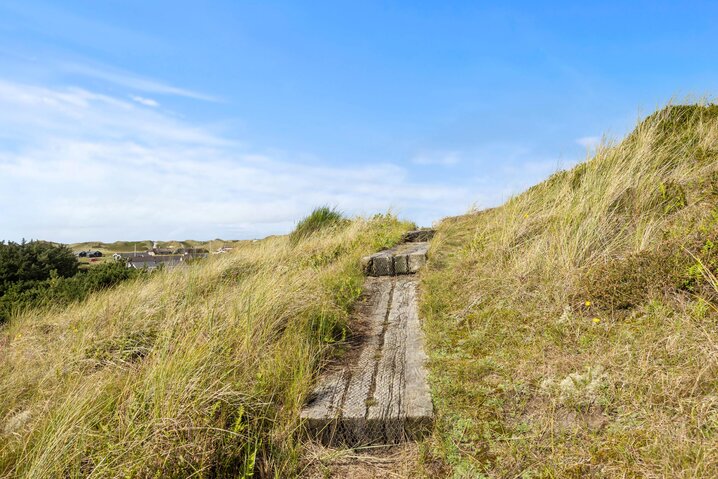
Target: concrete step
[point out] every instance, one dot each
(406, 258)
(418, 236)
(381, 396)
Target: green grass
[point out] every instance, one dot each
(320, 219)
(572, 332)
(194, 372)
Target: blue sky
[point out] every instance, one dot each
(174, 120)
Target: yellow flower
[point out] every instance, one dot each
(587, 303)
(19, 335)
(596, 320)
(526, 215)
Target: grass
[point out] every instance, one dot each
(573, 331)
(320, 219)
(194, 372)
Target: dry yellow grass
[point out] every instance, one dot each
(195, 372)
(572, 331)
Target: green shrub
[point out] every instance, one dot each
(59, 291)
(319, 219)
(34, 261)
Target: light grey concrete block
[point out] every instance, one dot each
(416, 261)
(383, 396)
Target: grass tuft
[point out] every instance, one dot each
(321, 218)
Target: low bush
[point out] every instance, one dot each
(319, 219)
(58, 291)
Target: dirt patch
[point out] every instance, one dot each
(540, 411)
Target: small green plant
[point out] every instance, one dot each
(319, 219)
(673, 196)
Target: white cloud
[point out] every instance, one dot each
(145, 101)
(439, 158)
(77, 165)
(131, 81)
(589, 142)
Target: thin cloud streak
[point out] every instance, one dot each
(144, 101)
(129, 80)
(589, 142)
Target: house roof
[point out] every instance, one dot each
(132, 255)
(154, 259)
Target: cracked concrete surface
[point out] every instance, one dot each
(382, 397)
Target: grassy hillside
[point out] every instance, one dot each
(573, 332)
(193, 372)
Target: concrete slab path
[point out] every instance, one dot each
(382, 396)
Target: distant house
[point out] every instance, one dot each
(160, 251)
(192, 251)
(125, 256)
(151, 262)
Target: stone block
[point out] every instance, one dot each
(382, 396)
(401, 264)
(418, 236)
(415, 261)
(382, 265)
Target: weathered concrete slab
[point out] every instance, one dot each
(415, 261)
(383, 396)
(405, 258)
(401, 264)
(382, 264)
(417, 236)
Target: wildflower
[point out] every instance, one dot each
(596, 320)
(526, 215)
(587, 304)
(19, 335)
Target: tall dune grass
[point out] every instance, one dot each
(196, 372)
(571, 331)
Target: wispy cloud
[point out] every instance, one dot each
(144, 101)
(80, 165)
(131, 81)
(589, 142)
(439, 158)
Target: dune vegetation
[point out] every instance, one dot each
(198, 371)
(573, 331)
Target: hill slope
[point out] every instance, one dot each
(194, 372)
(573, 331)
